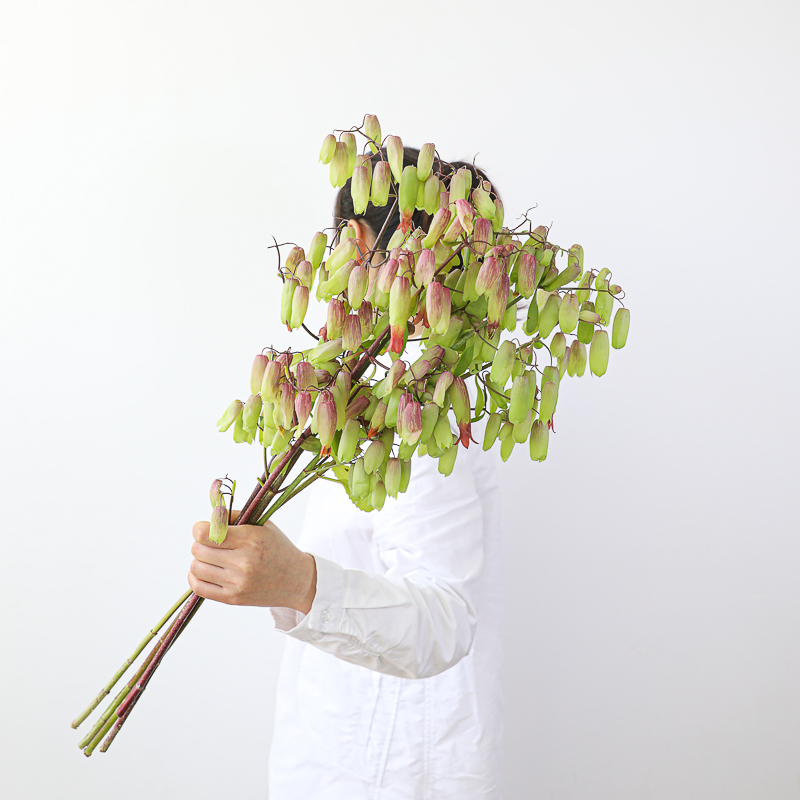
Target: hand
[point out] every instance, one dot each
(256, 565)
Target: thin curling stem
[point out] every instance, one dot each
(121, 671)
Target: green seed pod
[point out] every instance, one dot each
(218, 529)
(547, 402)
(492, 428)
(585, 329)
(407, 196)
(558, 344)
(503, 363)
(358, 480)
(394, 153)
(348, 442)
(393, 401)
(448, 460)
(374, 455)
(287, 293)
(352, 150)
(430, 194)
(460, 185)
(430, 414)
(619, 333)
(392, 477)
(337, 283)
(442, 434)
(499, 216)
(568, 313)
(328, 149)
(250, 413)
(438, 307)
(520, 402)
(538, 441)
(572, 362)
(338, 165)
(240, 435)
(562, 278)
(425, 161)
(378, 497)
(548, 317)
(381, 183)
(232, 413)
(357, 285)
(532, 320)
(523, 429)
(438, 225)
(576, 255)
(257, 373)
(483, 203)
(405, 474)
(406, 450)
(335, 318)
(442, 385)
(359, 189)
(604, 303)
(342, 254)
(506, 441)
(299, 307)
(584, 283)
(372, 129)
(351, 335)
(598, 353)
(325, 351)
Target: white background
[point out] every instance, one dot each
(148, 153)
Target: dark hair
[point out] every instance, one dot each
(375, 216)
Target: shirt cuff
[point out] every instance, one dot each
(325, 614)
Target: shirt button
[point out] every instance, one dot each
(326, 615)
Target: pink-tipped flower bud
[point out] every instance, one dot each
(394, 153)
(359, 189)
(488, 276)
(437, 305)
(484, 204)
(352, 150)
(454, 230)
(356, 407)
(435, 353)
(215, 494)
(482, 236)
(460, 185)
(526, 274)
(296, 255)
(438, 226)
(316, 251)
(498, 301)
(299, 306)
(305, 375)
(287, 294)
(271, 381)
(466, 215)
(393, 476)
(305, 273)
(412, 422)
(407, 196)
(302, 408)
(365, 317)
(338, 165)
(351, 335)
(425, 160)
(232, 413)
(442, 385)
(404, 399)
(342, 253)
(426, 267)
(459, 398)
(386, 275)
(357, 285)
(499, 215)
(381, 183)
(218, 529)
(431, 190)
(328, 149)
(378, 420)
(257, 372)
(326, 421)
(250, 413)
(344, 380)
(284, 408)
(372, 129)
(399, 309)
(336, 317)
(374, 455)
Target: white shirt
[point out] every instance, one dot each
(390, 687)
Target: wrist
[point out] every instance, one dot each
(308, 589)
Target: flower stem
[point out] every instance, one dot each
(121, 671)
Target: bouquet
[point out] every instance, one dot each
(500, 307)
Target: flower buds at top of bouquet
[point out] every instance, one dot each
(357, 285)
(325, 351)
(257, 372)
(431, 189)
(459, 398)
(598, 353)
(342, 253)
(305, 273)
(359, 189)
(328, 149)
(498, 302)
(336, 317)
(218, 529)
(466, 215)
(394, 153)
(443, 383)
(232, 413)
(215, 494)
(437, 227)
(425, 267)
(271, 381)
(499, 215)
(407, 196)
(287, 294)
(250, 413)
(316, 250)
(483, 203)
(587, 319)
(619, 333)
(430, 413)
(399, 309)
(303, 403)
(284, 407)
(437, 305)
(305, 375)
(381, 183)
(425, 160)
(488, 276)
(583, 286)
(339, 164)
(296, 255)
(356, 407)
(299, 307)
(503, 363)
(482, 236)
(351, 335)
(350, 142)
(562, 278)
(568, 313)
(386, 275)
(365, 317)
(548, 316)
(558, 345)
(460, 185)
(526, 274)
(372, 129)
(326, 421)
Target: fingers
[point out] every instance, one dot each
(211, 591)
(208, 573)
(214, 554)
(236, 534)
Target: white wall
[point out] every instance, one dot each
(149, 151)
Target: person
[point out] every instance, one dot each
(390, 685)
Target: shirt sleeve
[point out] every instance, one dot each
(418, 619)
